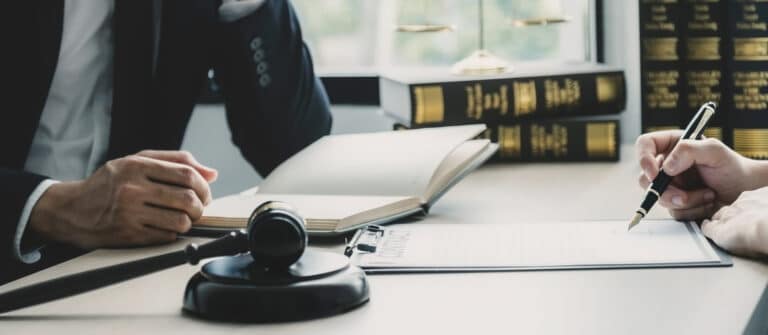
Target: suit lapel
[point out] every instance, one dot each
(51, 26)
(31, 62)
(133, 72)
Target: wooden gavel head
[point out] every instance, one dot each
(276, 236)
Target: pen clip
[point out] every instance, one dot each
(365, 239)
(695, 128)
(708, 112)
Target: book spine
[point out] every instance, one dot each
(502, 100)
(556, 141)
(705, 64)
(748, 65)
(661, 64)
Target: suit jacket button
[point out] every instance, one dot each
(258, 55)
(261, 68)
(265, 80)
(255, 43)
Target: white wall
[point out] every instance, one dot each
(622, 48)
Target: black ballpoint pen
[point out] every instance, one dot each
(694, 131)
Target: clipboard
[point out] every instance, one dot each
(436, 248)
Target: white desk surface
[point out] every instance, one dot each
(648, 301)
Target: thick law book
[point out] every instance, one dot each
(435, 97)
(705, 75)
(342, 182)
(662, 50)
(748, 67)
(557, 141)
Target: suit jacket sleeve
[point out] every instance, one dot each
(275, 104)
(16, 189)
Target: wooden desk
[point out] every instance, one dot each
(656, 301)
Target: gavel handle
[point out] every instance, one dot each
(67, 286)
(54, 289)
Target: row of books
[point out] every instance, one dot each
(693, 51)
(553, 113)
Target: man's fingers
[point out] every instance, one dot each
(657, 142)
(676, 198)
(687, 153)
(649, 146)
(729, 236)
(173, 197)
(643, 181)
(166, 219)
(711, 229)
(150, 236)
(182, 157)
(726, 213)
(176, 174)
(694, 213)
(133, 233)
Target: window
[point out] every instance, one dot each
(358, 36)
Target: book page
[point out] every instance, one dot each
(234, 210)
(398, 163)
(457, 161)
(539, 245)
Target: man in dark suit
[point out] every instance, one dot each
(104, 91)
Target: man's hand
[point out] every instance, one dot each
(141, 199)
(742, 228)
(707, 174)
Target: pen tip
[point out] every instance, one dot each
(635, 220)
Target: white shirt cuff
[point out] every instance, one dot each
(29, 256)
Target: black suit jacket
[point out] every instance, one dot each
(163, 50)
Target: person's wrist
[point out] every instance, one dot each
(756, 173)
(53, 210)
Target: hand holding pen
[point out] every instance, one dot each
(705, 174)
(694, 131)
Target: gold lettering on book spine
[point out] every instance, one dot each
(659, 18)
(752, 143)
(601, 140)
(703, 48)
(663, 87)
(750, 90)
(525, 97)
(750, 18)
(750, 49)
(479, 101)
(510, 141)
(660, 48)
(564, 92)
(703, 86)
(701, 18)
(555, 142)
(429, 104)
(609, 88)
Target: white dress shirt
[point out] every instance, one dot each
(73, 134)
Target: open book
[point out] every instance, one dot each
(342, 182)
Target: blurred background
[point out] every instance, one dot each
(352, 41)
(349, 35)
